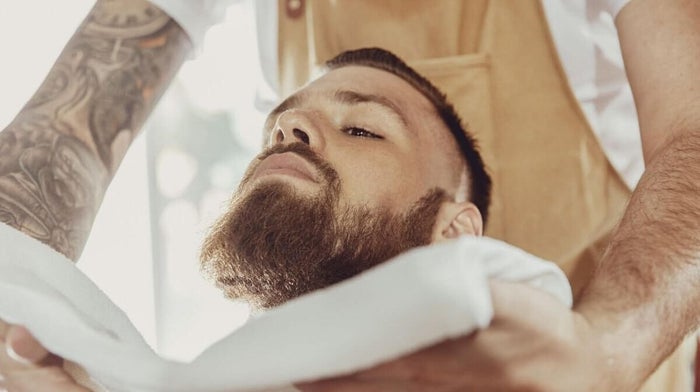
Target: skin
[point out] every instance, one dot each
(643, 298)
(38, 371)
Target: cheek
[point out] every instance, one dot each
(379, 180)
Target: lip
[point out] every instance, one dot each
(287, 164)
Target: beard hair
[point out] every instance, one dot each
(274, 244)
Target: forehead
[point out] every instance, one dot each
(372, 81)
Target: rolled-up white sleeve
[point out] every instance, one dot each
(195, 16)
(613, 7)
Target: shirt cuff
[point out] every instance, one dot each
(195, 16)
(613, 7)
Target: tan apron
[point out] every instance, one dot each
(555, 193)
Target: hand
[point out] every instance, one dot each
(534, 343)
(27, 366)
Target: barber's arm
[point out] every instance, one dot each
(644, 295)
(59, 154)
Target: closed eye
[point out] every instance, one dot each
(361, 132)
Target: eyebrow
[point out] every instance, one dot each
(353, 98)
(348, 97)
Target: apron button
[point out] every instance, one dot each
(294, 8)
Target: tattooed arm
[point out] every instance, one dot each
(59, 154)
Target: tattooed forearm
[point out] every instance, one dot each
(60, 152)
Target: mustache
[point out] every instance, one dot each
(329, 174)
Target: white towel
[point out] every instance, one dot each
(417, 299)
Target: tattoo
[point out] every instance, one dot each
(59, 154)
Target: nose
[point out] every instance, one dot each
(295, 126)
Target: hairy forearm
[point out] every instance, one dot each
(59, 154)
(644, 295)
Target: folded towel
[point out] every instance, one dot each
(415, 300)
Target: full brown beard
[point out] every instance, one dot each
(274, 244)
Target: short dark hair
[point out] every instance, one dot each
(479, 179)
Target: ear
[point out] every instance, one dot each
(455, 219)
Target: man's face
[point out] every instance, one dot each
(356, 168)
(381, 135)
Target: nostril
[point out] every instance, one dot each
(279, 137)
(301, 135)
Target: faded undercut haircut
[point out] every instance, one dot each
(479, 179)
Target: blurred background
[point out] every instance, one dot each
(174, 180)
